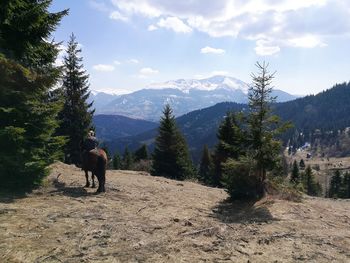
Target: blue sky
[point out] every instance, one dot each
(128, 44)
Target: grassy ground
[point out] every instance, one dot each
(150, 219)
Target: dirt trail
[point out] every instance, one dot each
(151, 219)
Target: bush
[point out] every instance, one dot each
(239, 179)
(142, 165)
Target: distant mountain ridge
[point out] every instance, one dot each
(110, 127)
(183, 95)
(328, 110)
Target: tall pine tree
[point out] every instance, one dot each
(263, 127)
(230, 145)
(141, 153)
(76, 116)
(171, 157)
(206, 167)
(27, 74)
(127, 161)
(295, 173)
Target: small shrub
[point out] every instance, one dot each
(239, 180)
(142, 165)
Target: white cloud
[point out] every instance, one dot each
(148, 71)
(116, 62)
(118, 16)
(60, 57)
(175, 24)
(265, 48)
(198, 76)
(212, 50)
(103, 67)
(99, 5)
(292, 23)
(152, 28)
(133, 61)
(219, 73)
(306, 42)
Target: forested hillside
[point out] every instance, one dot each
(328, 110)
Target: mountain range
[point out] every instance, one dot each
(183, 96)
(328, 110)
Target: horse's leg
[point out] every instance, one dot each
(93, 180)
(99, 189)
(87, 178)
(103, 180)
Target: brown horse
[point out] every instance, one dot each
(95, 161)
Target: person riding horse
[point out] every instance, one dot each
(89, 143)
(94, 160)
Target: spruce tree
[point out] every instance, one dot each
(347, 185)
(141, 153)
(295, 173)
(312, 187)
(335, 185)
(302, 164)
(27, 74)
(127, 159)
(116, 161)
(230, 145)
(76, 116)
(206, 167)
(263, 127)
(171, 157)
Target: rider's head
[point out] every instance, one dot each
(91, 133)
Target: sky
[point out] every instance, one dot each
(128, 44)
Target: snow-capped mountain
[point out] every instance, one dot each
(184, 95)
(212, 83)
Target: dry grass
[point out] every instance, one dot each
(150, 219)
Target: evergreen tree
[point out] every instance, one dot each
(116, 161)
(295, 173)
(263, 126)
(127, 159)
(206, 167)
(347, 185)
(141, 153)
(27, 74)
(76, 116)
(171, 158)
(302, 164)
(312, 187)
(335, 185)
(230, 145)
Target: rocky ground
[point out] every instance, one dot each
(151, 219)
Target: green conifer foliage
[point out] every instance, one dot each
(116, 161)
(263, 127)
(335, 185)
(347, 185)
(230, 145)
(311, 186)
(127, 159)
(141, 153)
(27, 74)
(76, 116)
(206, 167)
(295, 173)
(171, 157)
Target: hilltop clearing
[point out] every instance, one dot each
(151, 219)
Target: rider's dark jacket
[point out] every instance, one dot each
(89, 143)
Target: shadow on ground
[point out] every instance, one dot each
(71, 191)
(242, 212)
(8, 197)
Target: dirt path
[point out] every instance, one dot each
(150, 219)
